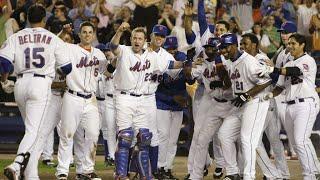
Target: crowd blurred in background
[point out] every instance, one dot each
(262, 17)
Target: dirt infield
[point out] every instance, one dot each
(180, 169)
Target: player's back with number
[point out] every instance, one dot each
(35, 50)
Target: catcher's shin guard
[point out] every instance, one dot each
(143, 163)
(122, 154)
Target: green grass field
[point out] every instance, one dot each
(180, 169)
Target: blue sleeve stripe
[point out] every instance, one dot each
(191, 38)
(5, 65)
(66, 69)
(171, 65)
(203, 25)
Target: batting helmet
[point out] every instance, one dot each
(171, 43)
(228, 39)
(212, 42)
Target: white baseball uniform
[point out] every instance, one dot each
(302, 108)
(79, 110)
(154, 123)
(132, 79)
(244, 76)
(35, 52)
(218, 99)
(272, 130)
(55, 114)
(108, 124)
(196, 106)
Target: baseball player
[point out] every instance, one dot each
(298, 78)
(35, 52)
(249, 43)
(216, 94)
(286, 30)
(108, 124)
(57, 88)
(158, 37)
(249, 89)
(221, 27)
(171, 99)
(80, 116)
(135, 67)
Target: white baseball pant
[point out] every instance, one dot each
(153, 121)
(169, 124)
(299, 121)
(78, 112)
(272, 130)
(47, 153)
(252, 123)
(229, 134)
(199, 107)
(212, 122)
(108, 125)
(33, 95)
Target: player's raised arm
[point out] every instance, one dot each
(114, 43)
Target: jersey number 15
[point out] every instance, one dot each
(38, 59)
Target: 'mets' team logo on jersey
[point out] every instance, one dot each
(207, 74)
(235, 74)
(84, 62)
(141, 67)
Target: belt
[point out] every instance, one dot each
(100, 99)
(79, 94)
(131, 94)
(220, 100)
(296, 101)
(34, 75)
(110, 95)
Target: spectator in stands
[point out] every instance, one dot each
(20, 13)
(304, 14)
(103, 10)
(5, 13)
(314, 29)
(146, 14)
(59, 18)
(125, 14)
(271, 31)
(242, 10)
(264, 41)
(95, 21)
(168, 17)
(79, 14)
(280, 13)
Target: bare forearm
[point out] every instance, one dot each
(116, 38)
(58, 85)
(257, 89)
(276, 91)
(188, 24)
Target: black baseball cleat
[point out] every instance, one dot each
(218, 173)
(48, 162)
(205, 171)
(90, 176)
(187, 177)
(232, 177)
(109, 161)
(62, 177)
(170, 176)
(12, 173)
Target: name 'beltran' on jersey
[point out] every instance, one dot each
(36, 38)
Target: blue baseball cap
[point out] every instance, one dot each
(212, 42)
(288, 27)
(171, 42)
(228, 39)
(180, 56)
(160, 30)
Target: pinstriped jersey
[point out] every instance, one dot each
(35, 50)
